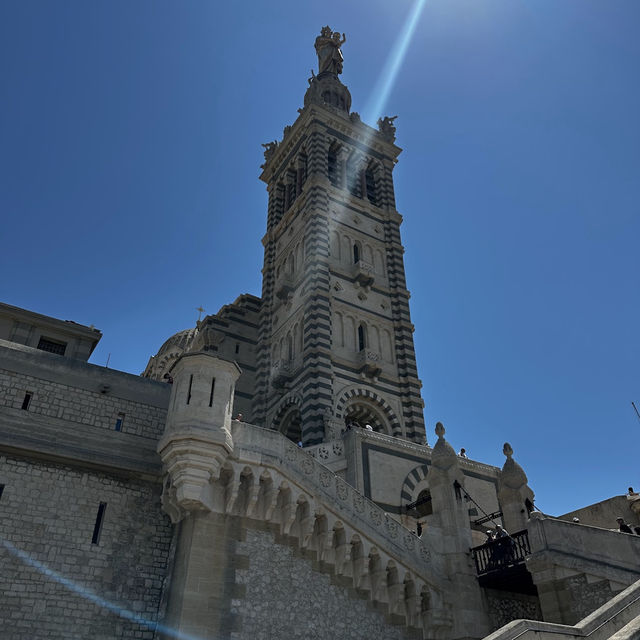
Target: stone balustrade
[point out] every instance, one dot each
(283, 371)
(363, 273)
(270, 479)
(369, 362)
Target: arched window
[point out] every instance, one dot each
(289, 347)
(370, 185)
(423, 503)
(302, 171)
(362, 337)
(291, 189)
(333, 166)
(354, 178)
(356, 253)
(278, 205)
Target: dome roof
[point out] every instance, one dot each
(178, 340)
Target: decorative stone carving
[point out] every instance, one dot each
(269, 150)
(341, 489)
(387, 129)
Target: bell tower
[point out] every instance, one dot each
(336, 343)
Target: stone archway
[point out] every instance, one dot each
(288, 419)
(362, 413)
(366, 406)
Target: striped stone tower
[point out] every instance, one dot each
(335, 335)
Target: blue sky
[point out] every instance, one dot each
(129, 161)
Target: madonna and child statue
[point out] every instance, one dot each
(328, 45)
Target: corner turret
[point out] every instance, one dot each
(197, 438)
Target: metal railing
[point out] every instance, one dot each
(500, 554)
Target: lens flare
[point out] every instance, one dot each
(385, 82)
(87, 594)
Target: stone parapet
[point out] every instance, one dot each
(606, 622)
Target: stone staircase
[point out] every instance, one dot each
(270, 480)
(618, 619)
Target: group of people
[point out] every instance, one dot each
(355, 425)
(501, 549)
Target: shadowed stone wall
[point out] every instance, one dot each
(505, 607)
(48, 512)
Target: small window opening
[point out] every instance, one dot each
(27, 399)
(213, 386)
(52, 346)
(237, 348)
(356, 254)
(362, 342)
(190, 385)
(1, 490)
(119, 422)
(97, 529)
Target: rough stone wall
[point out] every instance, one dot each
(505, 606)
(54, 581)
(285, 598)
(80, 405)
(582, 598)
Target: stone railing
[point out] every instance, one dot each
(619, 618)
(283, 371)
(285, 287)
(327, 452)
(608, 554)
(272, 449)
(369, 362)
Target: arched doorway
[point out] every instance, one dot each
(362, 413)
(290, 424)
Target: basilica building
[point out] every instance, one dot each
(269, 474)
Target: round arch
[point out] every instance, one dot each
(288, 418)
(365, 402)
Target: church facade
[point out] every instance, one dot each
(268, 475)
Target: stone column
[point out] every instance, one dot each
(514, 495)
(450, 512)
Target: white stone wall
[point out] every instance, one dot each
(285, 598)
(55, 582)
(74, 404)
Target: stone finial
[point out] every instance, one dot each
(513, 475)
(443, 456)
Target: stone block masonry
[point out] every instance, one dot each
(49, 512)
(73, 404)
(286, 598)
